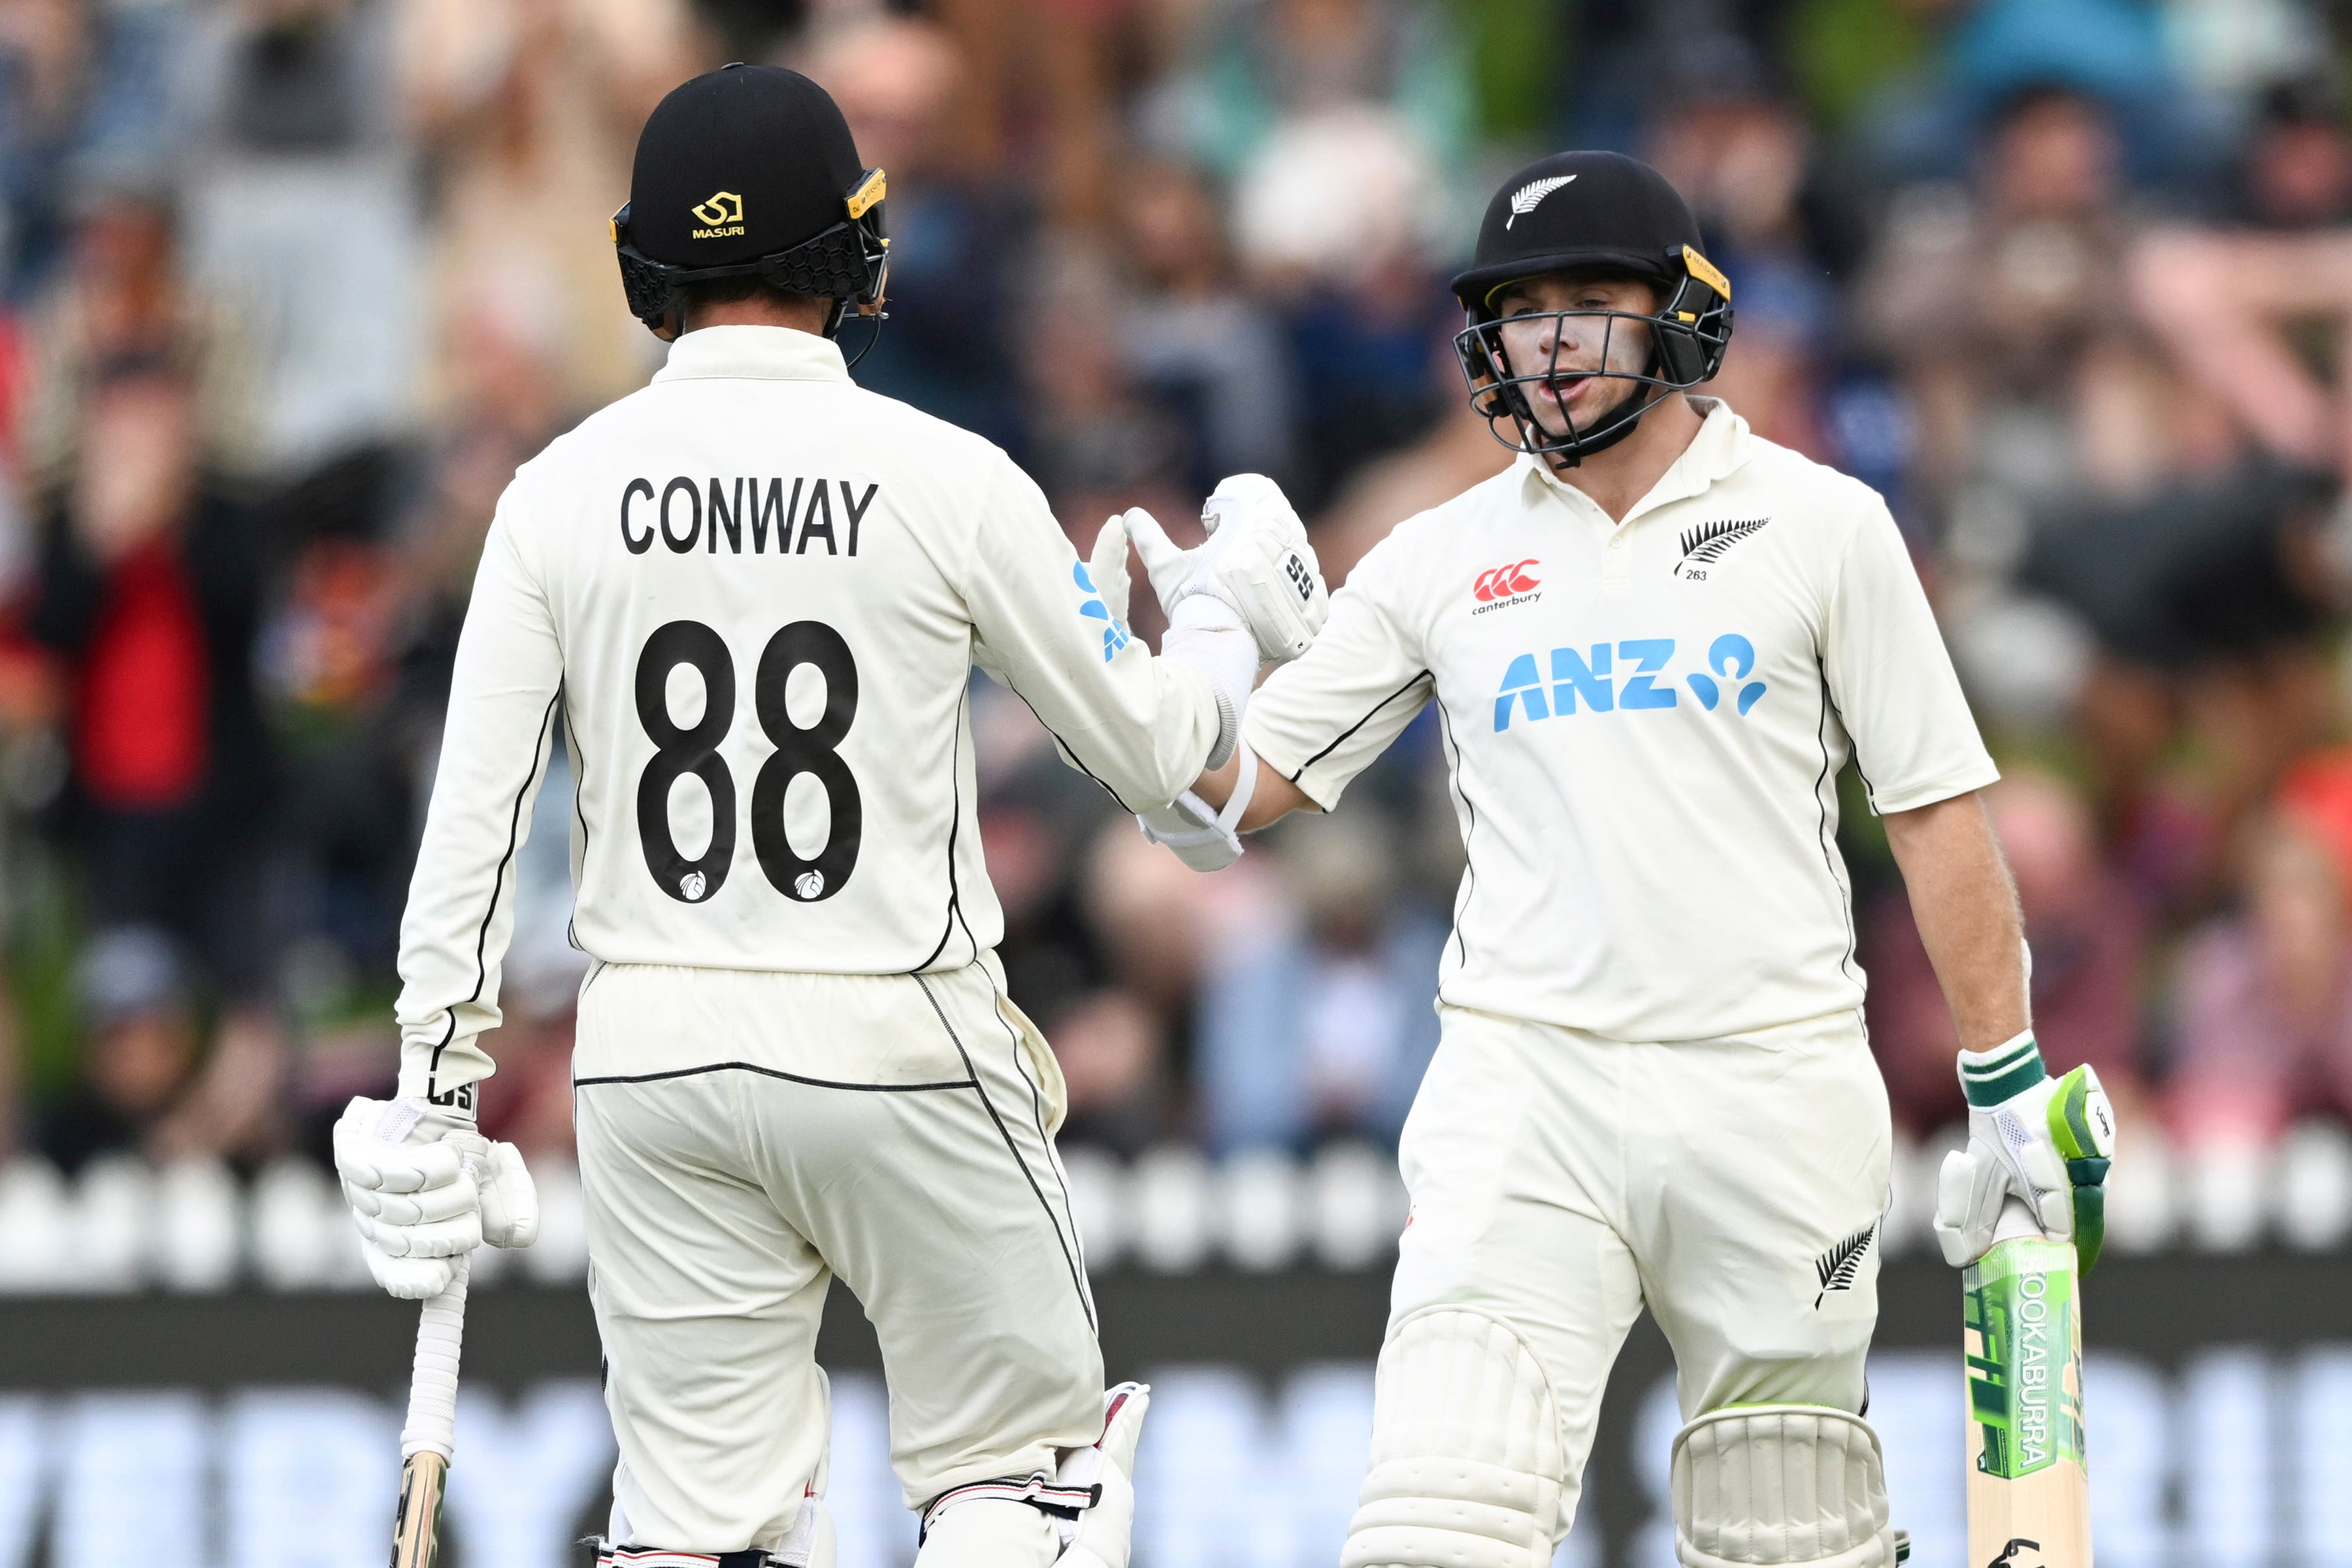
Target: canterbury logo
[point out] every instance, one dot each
(1705, 545)
(1505, 581)
(1527, 197)
(1838, 1266)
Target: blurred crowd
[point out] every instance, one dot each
(287, 288)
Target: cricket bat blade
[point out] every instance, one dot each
(2028, 1479)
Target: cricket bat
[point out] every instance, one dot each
(429, 1439)
(2029, 1487)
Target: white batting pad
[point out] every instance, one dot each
(1465, 1452)
(1759, 1486)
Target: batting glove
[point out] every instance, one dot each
(1203, 631)
(1106, 569)
(1256, 561)
(2047, 1142)
(425, 1189)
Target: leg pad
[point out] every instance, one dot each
(1777, 1486)
(1465, 1452)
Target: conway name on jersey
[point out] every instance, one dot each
(1646, 722)
(754, 594)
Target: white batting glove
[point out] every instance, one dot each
(2047, 1142)
(1107, 566)
(1203, 631)
(1256, 559)
(425, 1190)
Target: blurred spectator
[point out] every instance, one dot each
(1114, 1063)
(2222, 567)
(2239, 311)
(142, 1087)
(1322, 1029)
(1339, 218)
(2089, 937)
(358, 648)
(1031, 833)
(139, 1018)
(1742, 157)
(1197, 345)
(83, 94)
(955, 238)
(150, 593)
(1998, 307)
(301, 211)
(2113, 50)
(2266, 997)
(1156, 924)
(2296, 170)
(2209, 603)
(1096, 442)
(529, 110)
(1260, 65)
(124, 297)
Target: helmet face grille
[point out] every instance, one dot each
(1688, 337)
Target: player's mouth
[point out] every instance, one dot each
(1564, 390)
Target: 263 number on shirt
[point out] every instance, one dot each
(815, 749)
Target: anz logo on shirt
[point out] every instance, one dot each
(1114, 635)
(1629, 677)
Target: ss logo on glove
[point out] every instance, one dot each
(1300, 578)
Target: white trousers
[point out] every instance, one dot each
(1561, 1182)
(744, 1137)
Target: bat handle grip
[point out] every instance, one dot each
(432, 1425)
(2016, 1220)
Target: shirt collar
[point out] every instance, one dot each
(763, 354)
(1722, 445)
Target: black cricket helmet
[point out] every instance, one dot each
(750, 171)
(1589, 211)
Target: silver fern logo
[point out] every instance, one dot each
(1703, 546)
(1526, 199)
(1841, 1265)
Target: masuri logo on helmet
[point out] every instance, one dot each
(722, 214)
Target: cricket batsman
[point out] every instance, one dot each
(1652, 642)
(754, 595)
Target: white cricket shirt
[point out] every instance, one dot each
(1645, 723)
(756, 594)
